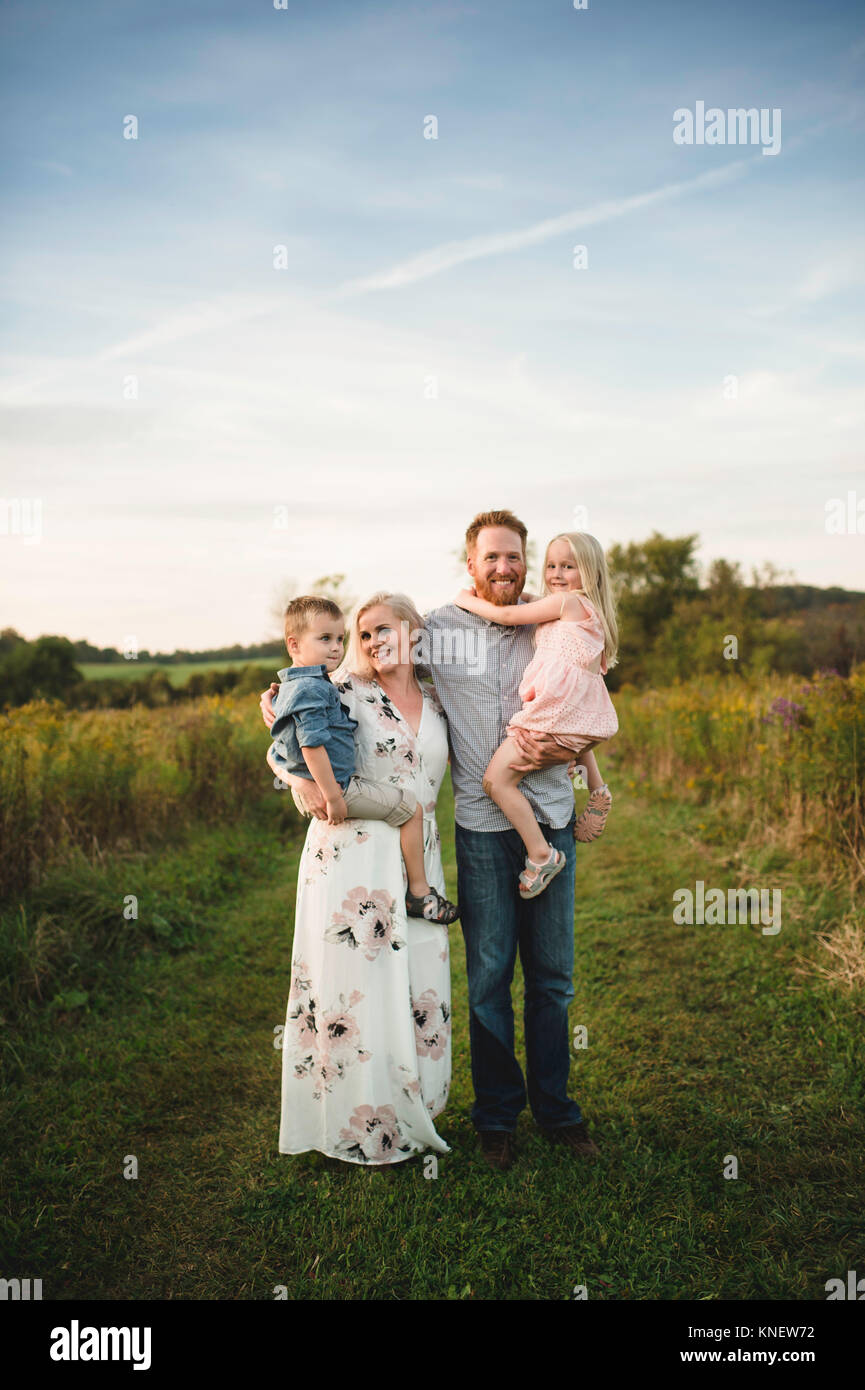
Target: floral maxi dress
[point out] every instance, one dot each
(366, 1054)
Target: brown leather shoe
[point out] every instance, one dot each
(576, 1137)
(498, 1148)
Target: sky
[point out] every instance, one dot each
(284, 332)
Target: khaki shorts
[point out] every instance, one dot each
(367, 800)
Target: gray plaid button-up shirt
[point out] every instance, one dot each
(476, 668)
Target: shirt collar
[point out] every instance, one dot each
(289, 672)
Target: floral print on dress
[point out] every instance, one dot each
(432, 1026)
(404, 1079)
(436, 1104)
(365, 923)
(330, 850)
(400, 757)
(362, 1080)
(322, 1044)
(372, 1135)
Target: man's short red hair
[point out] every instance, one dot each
(499, 518)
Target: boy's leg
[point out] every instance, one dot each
(367, 800)
(546, 941)
(411, 844)
(501, 784)
(488, 863)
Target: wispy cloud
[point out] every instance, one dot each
(451, 253)
(829, 277)
(202, 317)
(54, 167)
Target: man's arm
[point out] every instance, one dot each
(540, 750)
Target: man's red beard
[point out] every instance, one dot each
(499, 594)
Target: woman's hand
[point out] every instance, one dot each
(266, 703)
(539, 750)
(308, 799)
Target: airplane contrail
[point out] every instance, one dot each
(452, 253)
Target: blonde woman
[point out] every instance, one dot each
(366, 1058)
(562, 691)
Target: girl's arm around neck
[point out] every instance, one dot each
(541, 610)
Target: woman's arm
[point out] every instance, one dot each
(307, 797)
(542, 610)
(266, 703)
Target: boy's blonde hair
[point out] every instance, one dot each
(355, 663)
(589, 556)
(301, 611)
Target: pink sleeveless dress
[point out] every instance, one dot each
(560, 695)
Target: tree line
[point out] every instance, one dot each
(672, 626)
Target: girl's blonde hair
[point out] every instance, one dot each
(598, 589)
(411, 632)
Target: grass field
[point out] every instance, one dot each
(704, 1042)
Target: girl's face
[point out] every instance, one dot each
(380, 633)
(561, 571)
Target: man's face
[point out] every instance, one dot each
(497, 565)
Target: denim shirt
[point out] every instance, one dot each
(309, 715)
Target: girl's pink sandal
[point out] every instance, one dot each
(591, 823)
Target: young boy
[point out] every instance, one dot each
(313, 737)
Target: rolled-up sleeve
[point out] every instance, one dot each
(300, 704)
(310, 725)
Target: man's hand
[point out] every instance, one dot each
(336, 809)
(308, 799)
(266, 703)
(539, 750)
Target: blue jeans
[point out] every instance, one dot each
(496, 922)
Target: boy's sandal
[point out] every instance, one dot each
(591, 823)
(531, 887)
(434, 908)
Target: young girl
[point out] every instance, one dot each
(562, 690)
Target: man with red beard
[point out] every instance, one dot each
(477, 667)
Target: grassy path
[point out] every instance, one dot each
(702, 1042)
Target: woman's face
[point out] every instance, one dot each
(380, 632)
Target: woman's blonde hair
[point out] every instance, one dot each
(412, 631)
(592, 563)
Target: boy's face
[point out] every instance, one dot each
(320, 645)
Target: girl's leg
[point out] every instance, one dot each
(594, 780)
(593, 819)
(501, 784)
